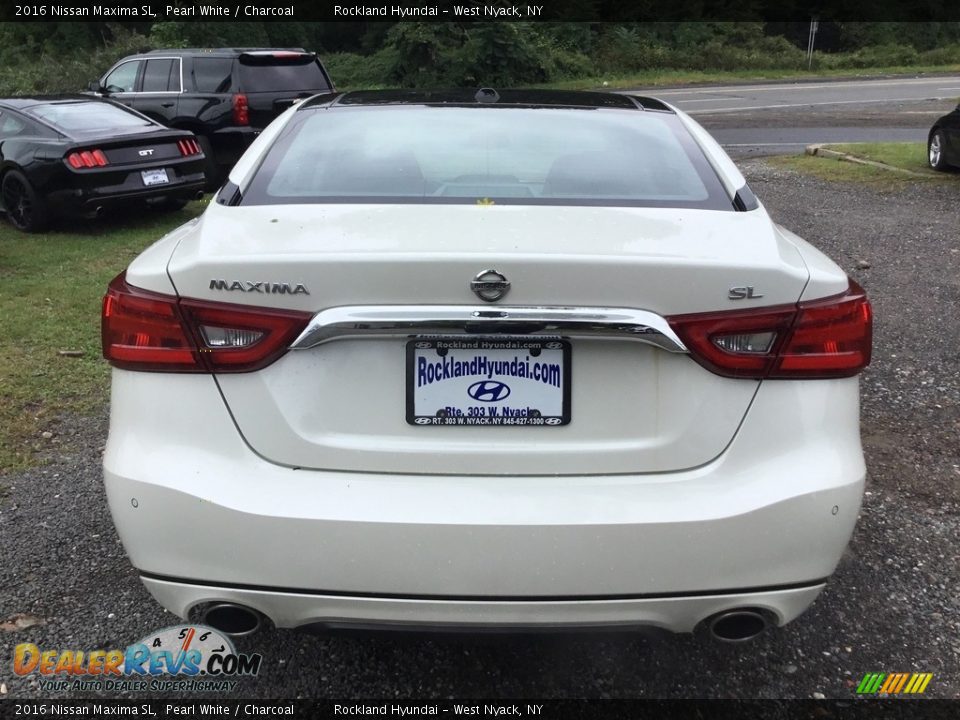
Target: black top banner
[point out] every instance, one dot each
(482, 10)
(492, 709)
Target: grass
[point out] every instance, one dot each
(906, 156)
(52, 287)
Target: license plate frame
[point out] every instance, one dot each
(548, 393)
(151, 178)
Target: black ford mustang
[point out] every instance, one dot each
(77, 156)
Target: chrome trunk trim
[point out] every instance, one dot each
(388, 320)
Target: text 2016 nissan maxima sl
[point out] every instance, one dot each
(478, 360)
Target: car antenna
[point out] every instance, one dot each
(486, 95)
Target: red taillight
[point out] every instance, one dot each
(701, 331)
(188, 147)
(241, 110)
(87, 159)
(830, 338)
(143, 330)
(826, 338)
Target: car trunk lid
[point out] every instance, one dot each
(129, 148)
(342, 405)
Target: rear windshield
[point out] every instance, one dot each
(87, 116)
(291, 73)
(531, 156)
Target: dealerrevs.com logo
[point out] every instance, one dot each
(185, 657)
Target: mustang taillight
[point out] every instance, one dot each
(241, 110)
(143, 330)
(188, 147)
(87, 159)
(827, 338)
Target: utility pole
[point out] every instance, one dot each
(811, 39)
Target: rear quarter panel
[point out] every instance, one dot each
(826, 277)
(40, 159)
(149, 268)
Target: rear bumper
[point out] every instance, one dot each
(87, 194)
(761, 525)
(302, 609)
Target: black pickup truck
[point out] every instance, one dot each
(225, 96)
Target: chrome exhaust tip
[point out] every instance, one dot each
(98, 211)
(736, 626)
(199, 195)
(232, 619)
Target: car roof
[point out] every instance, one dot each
(219, 52)
(22, 103)
(26, 104)
(488, 97)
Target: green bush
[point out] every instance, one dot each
(565, 64)
(52, 71)
(209, 34)
(889, 55)
(422, 53)
(694, 46)
(628, 49)
(500, 55)
(946, 55)
(438, 55)
(490, 54)
(40, 58)
(352, 70)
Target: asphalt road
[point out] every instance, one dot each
(893, 605)
(777, 118)
(722, 99)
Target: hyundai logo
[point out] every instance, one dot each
(490, 285)
(423, 420)
(489, 391)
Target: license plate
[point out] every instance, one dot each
(488, 381)
(154, 177)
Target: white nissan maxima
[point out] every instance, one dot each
(480, 360)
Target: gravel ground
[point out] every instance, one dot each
(892, 606)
